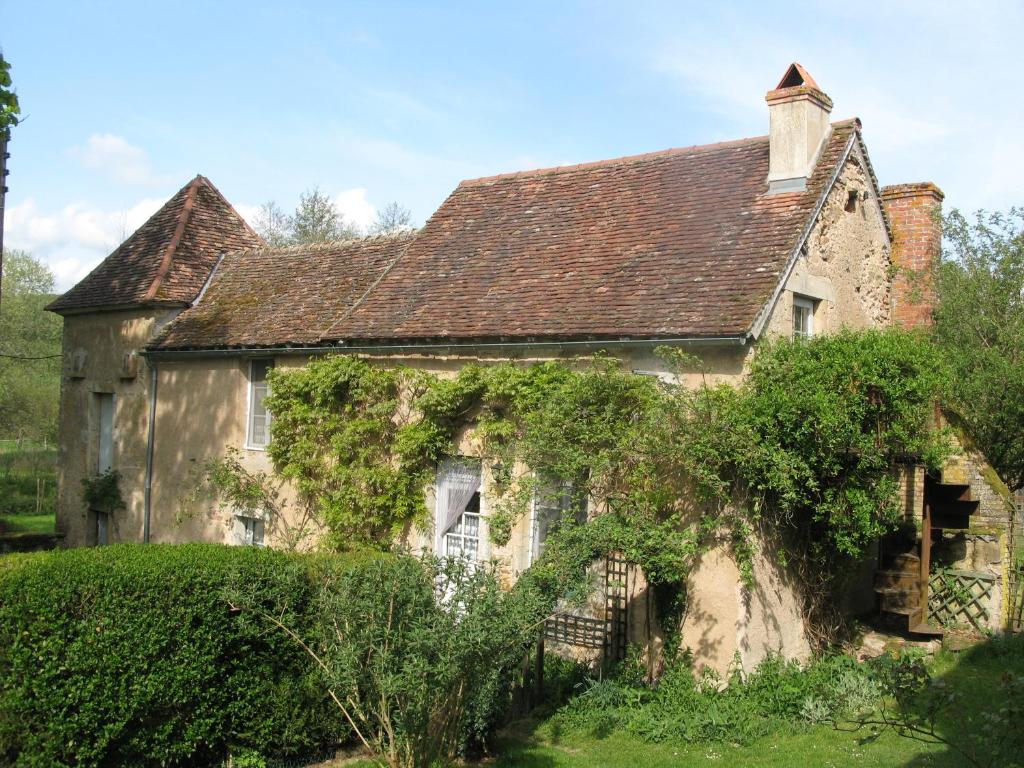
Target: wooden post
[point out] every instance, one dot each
(538, 669)
(926, 554)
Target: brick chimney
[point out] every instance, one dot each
(798, 121)
(915, 215)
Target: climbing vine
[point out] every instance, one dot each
(802, 451)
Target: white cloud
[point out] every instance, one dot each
(250, 213)
(75, 238)
(116, 158)
(356, 208)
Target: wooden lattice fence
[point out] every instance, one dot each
(956, 597)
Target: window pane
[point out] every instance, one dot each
(259, 417)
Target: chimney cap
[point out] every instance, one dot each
(797, 84)
(797, 76)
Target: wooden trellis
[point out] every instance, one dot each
(954, 596)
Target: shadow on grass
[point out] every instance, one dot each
(972, 710)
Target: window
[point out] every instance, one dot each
(105, 444)
(249, 531)
(102, 528)
(259, 417)
(458, 520)
(803, 318)
(553, 503)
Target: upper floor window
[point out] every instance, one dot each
(803, 318)
(458, 520)
(554, 502)
(259, 417)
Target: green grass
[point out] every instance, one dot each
(973, 675)
(27, 524)
(820, 746)
(28, 478)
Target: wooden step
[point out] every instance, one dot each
(950, 521)
(894, 599)
(897, 580)
(947, 492)
(907, 561)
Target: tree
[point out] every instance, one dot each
(316, 220)
(979, 324)
(391, 219)
(30, 340)
(9, 111)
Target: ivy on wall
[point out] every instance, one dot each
(803, 449)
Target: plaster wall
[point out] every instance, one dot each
(94, 348)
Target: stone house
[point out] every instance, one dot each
(710, 248)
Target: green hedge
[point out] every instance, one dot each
(132, 655)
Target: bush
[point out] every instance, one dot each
(418, 654)
(132, 655)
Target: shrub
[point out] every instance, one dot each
(416, 653)
(131, 655)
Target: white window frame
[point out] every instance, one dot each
(441, 537)
(534, 544)
(802, 302)
(250, 531)
(250, 403)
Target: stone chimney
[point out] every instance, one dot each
(798, 126)
(915, 215)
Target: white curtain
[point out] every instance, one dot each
(457, 481)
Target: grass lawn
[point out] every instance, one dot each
(27, 523)
(974, 675)
(28, 487)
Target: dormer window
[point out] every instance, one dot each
(803, 317)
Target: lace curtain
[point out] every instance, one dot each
(457, 481)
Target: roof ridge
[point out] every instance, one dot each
(285, 250)
(168, 258)
(626, 159)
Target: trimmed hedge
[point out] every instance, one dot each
(132, 655)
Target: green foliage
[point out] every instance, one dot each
(316, 220)
(831, 416)
(701, 708)
(30, 340)
(979, 325)
(103, 492)
(805, 448)
(131, 655)
(9, 107)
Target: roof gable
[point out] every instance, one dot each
(678, 244)
(167, 260)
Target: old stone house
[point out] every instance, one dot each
(711, 248)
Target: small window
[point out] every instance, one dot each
(105, 443)
(458, 519)
(249, 531)
(259, 416)
(554, 502)
(803, 318)
(851, 201)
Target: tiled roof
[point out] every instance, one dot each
(681, 243)
(168, 259)
(281, 297)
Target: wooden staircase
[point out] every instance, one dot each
(901, 582)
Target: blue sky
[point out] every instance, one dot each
(374, 102)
